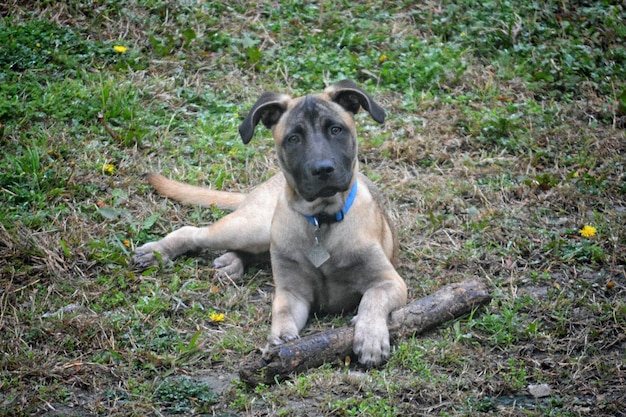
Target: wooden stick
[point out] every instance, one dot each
(450, 302)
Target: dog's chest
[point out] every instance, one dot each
(340, 282)
(335, 295)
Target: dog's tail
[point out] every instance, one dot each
(191, 194)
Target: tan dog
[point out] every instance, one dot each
(331, 244)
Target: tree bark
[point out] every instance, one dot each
(449, 302)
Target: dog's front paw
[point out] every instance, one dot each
(371, 342)
(230, 264)
(146, 256)
(273, 341)
(286, 335)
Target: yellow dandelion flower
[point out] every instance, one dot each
(588, 231)
(120, 49)
(217, 317)
(382, 58)
(126, 243)
(108, 169)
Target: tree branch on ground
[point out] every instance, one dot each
(450, 302)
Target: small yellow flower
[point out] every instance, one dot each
(588, 231)
(108, 169)
(120, 49)
(217, 317)
(126, 243)
(382, 58)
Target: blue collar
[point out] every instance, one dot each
(337, 217)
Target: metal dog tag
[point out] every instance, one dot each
(317, 254)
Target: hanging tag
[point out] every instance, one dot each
(317, 254)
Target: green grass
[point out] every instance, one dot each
(504, 137)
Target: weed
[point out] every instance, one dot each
(571, 247)
(182, 395)
(363, 407)
(508, 325)
(412, 357)
(515, 375)
(482, 405)
(537, 39)
(41, 44)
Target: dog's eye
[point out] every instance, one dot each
(335, 130)
(293, 139)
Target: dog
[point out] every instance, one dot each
(331, 244)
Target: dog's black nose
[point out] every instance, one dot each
(323, 169)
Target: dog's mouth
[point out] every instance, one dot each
(312, 190)
(323, 193)
(328, 192)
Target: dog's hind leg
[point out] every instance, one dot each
(234, 232)
(234, 263)
(245, 232)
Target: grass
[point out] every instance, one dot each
(505, 137)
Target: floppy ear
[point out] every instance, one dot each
(268, 109)
(351, 97)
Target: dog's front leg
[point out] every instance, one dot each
(290, 313)
(371, 334)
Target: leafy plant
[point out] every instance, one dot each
(537, 38)
(370, 407)
(410, 356)
(183, 395)
(46, 46)
(506, 325)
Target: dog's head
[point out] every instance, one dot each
(315, 136)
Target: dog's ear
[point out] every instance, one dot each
(351, 97)
(268, 109)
